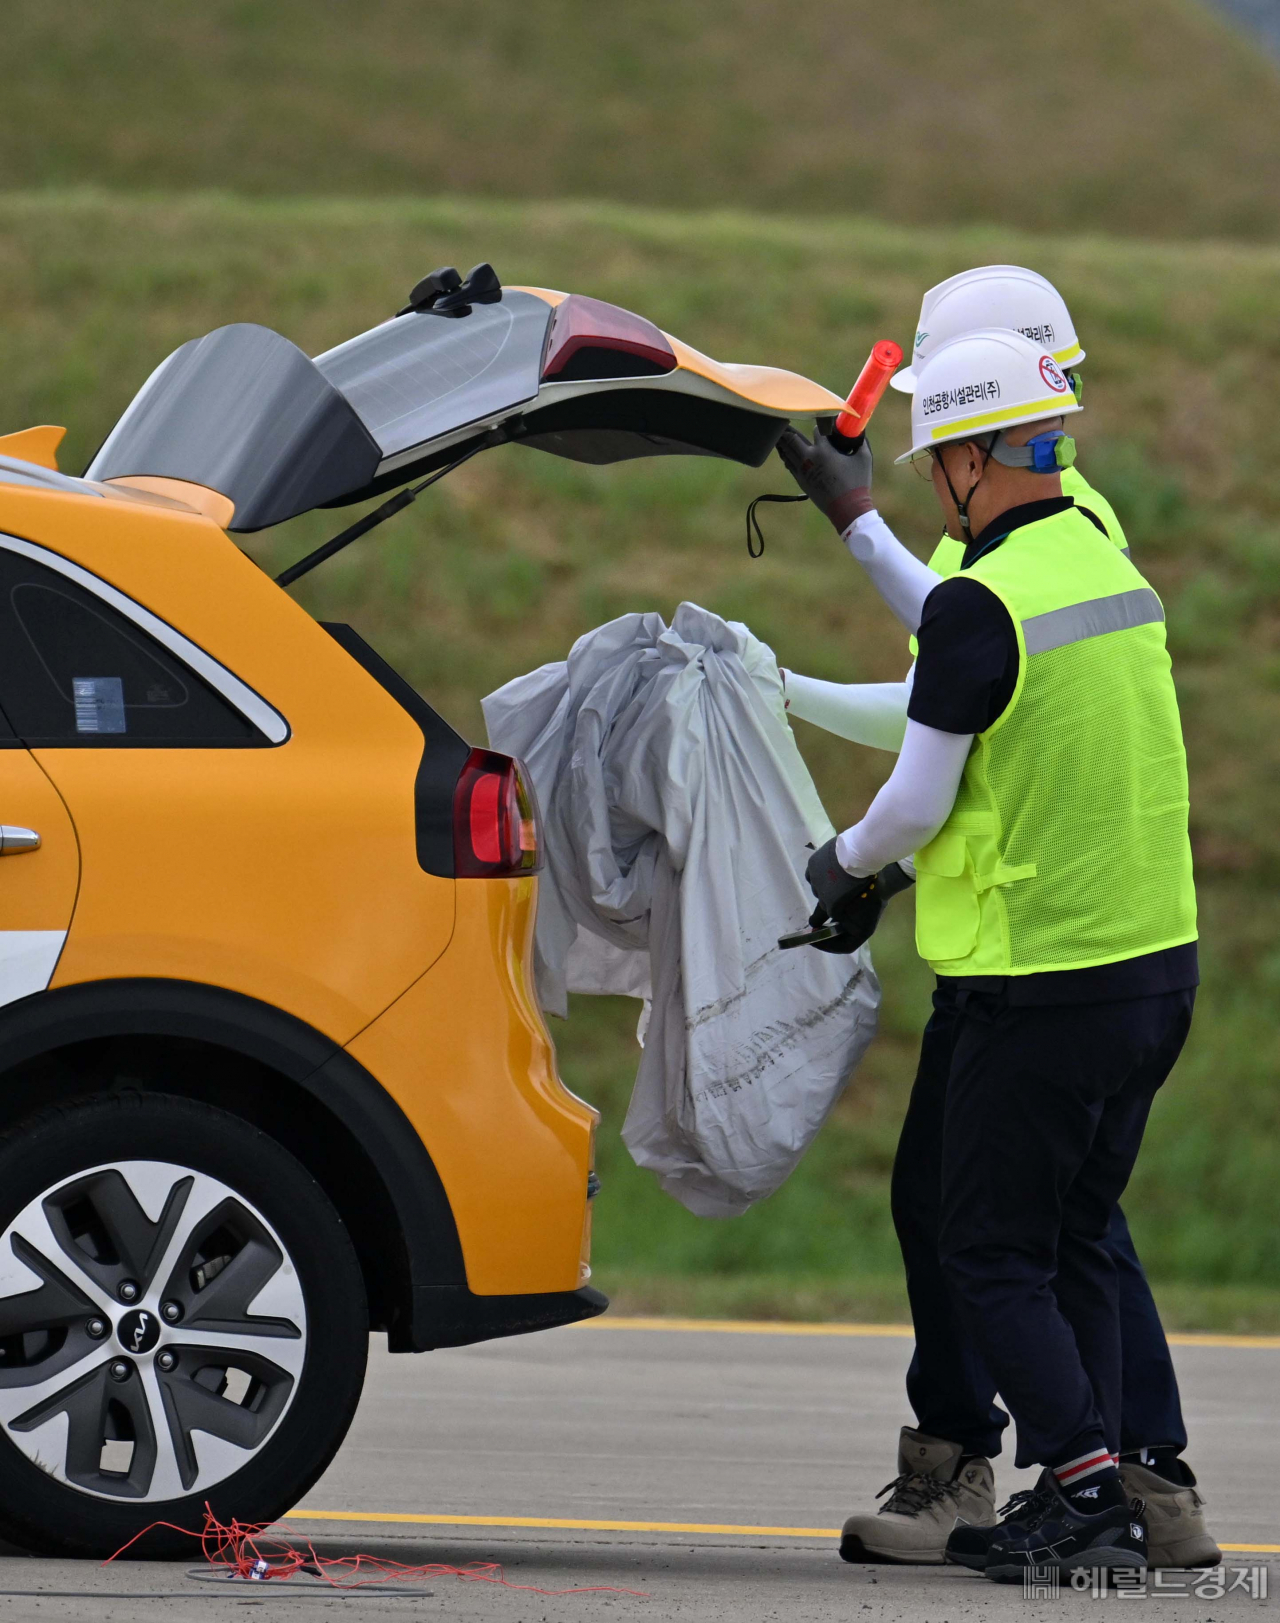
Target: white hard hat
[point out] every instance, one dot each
(982, 383)
(992, 296)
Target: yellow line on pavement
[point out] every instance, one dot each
(777, 1327)
(1189, 1340)
(746, 1327)
(564, 1524)
(559, 1522)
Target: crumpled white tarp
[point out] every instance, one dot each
(677, 812)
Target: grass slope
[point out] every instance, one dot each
(1151, 118)
(503, 565)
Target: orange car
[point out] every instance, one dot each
(273, 1069)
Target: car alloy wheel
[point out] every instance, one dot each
(153, 1331)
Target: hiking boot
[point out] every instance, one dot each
(937, 1484)
(1176, 1533)
(968, 1546)
(1049, 1534)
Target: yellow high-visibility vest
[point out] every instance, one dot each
(1067, 845)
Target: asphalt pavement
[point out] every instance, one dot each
(668, 1473)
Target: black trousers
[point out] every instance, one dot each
(1022, 1130)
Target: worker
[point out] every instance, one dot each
(951, 1392)
(1041, 786)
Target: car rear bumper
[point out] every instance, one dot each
(451, 1316)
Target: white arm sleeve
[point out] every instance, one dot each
(872, 713)
(912, 806)
(898, 575)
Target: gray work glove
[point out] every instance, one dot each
(854, 904)
(839, 482)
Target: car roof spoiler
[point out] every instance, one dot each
(466, 364)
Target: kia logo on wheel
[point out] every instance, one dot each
(138, 1332)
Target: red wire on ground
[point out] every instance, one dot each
(240, 1550)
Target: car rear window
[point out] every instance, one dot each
(75, 672)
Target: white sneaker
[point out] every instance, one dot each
(936, 1486)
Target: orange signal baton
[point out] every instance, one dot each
(851, 425)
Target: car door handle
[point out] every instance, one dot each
(14, 840)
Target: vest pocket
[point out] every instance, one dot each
(946, 899)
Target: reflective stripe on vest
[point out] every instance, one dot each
(1078, 621)
(948, 555)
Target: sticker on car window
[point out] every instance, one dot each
(99, 704)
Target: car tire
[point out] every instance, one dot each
(182, 1322)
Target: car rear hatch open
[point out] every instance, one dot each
(245, 412)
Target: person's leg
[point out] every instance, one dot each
(942, 1479)
(1087, 1285)
(1045, 1116)
(1177, 1535)
(1152, 1432)
(1150, 1406)
(948, 1384)
(1043, 1099)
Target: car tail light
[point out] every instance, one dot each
(495, 824)
(590, 339)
